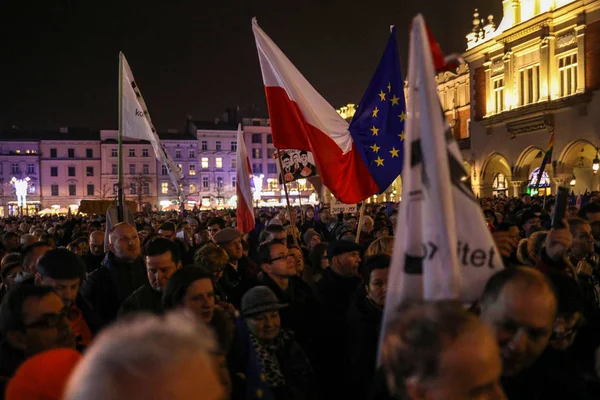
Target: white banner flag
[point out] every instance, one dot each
(138, 125)
(443, 249)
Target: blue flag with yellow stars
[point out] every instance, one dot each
(377, 127)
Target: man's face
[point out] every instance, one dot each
(377, 287)
(566, 327)
(34, 257)
(583, 241)
(167, 234)
(286, 162)
(200, 298)
(213, 229)
(295, 158)
(67, 289)
(282, 264)
(9, 280)
(324, 216)
(522, 319)
(46, 327)
(315, 240)
(125, 243)
(591, 217)
(470, 368)
(347, 263)
(277, 236)
(160, 268)
(513, 231)
(234, 249)
(304, 158)
(203, 217)
(296, 255)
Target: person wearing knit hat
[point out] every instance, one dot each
(44, 376)
(311, 238)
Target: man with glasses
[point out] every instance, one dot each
(33, 319)
(94, 258)
(119, 276)
(278, 265)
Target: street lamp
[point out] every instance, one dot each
(573, 181)
(596, 164)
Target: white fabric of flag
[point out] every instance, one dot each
(138, 125)
(442, 248)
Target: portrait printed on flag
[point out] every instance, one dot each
(297, 164)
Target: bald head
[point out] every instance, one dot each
(96, 243)
(124, 242)
(149, 357)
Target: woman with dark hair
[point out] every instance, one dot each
(317, 262)
(308, 216)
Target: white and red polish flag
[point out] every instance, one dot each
(245, 211)
(302, 119)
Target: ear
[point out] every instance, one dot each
(265, 267)
(415, 390)
(16, 340)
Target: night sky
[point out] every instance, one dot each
(59, 61)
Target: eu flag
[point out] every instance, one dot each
(377, 128)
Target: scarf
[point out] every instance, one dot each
(266, 355)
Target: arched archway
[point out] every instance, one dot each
(530, 160)
(576, 160)
(494, 165)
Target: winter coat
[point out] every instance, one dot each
(235, 284)
(145, 299)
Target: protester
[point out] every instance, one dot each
(214, 226)
(149, 357)
(11, 266)
(383, 245)
(311, 239)
(298, 257)
(31, 254)
(120, 275)
(64, 271)
(162, 260)
(317, 263)
(94, 258)
(437, 350)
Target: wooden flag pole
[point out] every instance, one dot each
(120, 195)
(360, 220)
(287, 198)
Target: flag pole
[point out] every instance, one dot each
(287, 198)
(120, 205)
(360, 220)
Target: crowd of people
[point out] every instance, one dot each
(184, 306)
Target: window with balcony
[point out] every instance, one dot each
(71, 171)
(71, 153)
(89, 171)
(131, 152)
(218, 145)
(114, 169)
(89, 153)
(272, 168)
(72, 190)
(192, 154)
(192, 169)
(146, 169)
(567, 70)
(164, 170)
(257, 153)
(177, 153)
(131, 169)
(218, 163)
(499, 95)
(54, 190)
(204, 162)
(90, 190)
(205, 182)
(53, 171)
(204, 145)
(164, 187)
(114, 152)
(529, 85)
(30, 169)
(53, 153)
(145, 153)
(256, 138)
(234, 146)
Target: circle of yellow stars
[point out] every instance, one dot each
(375, 131)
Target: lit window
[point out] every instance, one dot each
(192, 188)
(204, 162)
(499, 95)
(529, 85)
(567, 68)
(18, 151)
(192, 169)
(257, 153)
(233, 163)
(164, 187)
(273, 184)
(218, 162)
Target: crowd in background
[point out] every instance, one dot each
(291, 310)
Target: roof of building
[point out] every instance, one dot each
(176, 136)
(70, 134)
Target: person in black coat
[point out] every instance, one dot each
(334, 290)
(94, 258)
(363, 323)
(122, 273)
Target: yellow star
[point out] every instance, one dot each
(394, 100)
(375, 112)
(394, 152)
(375, 131)
(402, 116)
(382, 95)
(389, 86)
(375, 148)
(379, 161)
(401, 136)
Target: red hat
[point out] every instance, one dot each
(44, 376)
